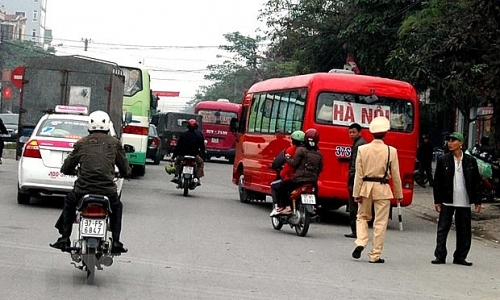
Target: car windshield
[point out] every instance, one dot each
(61, 128)
(9, 118)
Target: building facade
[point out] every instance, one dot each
(34, 11)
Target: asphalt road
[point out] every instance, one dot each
(210, 246)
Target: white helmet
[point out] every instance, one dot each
(99, 121)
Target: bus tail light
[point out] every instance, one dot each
(32, 150)
(136, 130)
(408, 181)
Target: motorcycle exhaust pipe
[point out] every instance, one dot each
(107, 260)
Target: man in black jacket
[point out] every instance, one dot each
(96, 154)
(191, 142)
(424, 156)
(3, 130)
(355, 135)
(456, 186)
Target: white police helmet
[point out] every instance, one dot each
(99, 121)
(379, 125)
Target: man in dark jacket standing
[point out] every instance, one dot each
(97, 154)
(424, 156)
(355, 135)
(3, 130)
(456, 187)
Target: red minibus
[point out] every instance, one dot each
(216, 118)
(328, 102)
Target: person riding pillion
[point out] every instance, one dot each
(285, 171)
(308, 164)
(96, 155)
(191, 142)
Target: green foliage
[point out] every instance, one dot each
(449, 48)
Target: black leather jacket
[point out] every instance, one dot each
(443, 179)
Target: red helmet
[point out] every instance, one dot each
(311, 137)
(192, 124)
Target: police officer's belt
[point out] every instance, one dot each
(384, 179)
(376, 179)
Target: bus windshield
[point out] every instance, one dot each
(133, 81)
(217, 117)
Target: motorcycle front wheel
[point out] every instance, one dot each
(302, 226)
(277, 223)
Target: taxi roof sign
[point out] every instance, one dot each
(68, 109)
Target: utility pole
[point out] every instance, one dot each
(86, 43)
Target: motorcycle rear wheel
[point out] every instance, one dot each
(185, 186)
(90, 265)
(305, 220)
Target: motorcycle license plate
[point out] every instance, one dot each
(308, 199)
(187, 170)
(93, 227)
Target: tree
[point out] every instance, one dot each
(13, 53)
(453, 56)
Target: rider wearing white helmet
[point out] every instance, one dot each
(96, 154)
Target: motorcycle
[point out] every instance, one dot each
(303, 210)
(187, 179)
(91, 243)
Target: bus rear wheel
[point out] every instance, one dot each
(139, 170)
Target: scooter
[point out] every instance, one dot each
(91, 243)
(303, 210)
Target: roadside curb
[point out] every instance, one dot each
(9, 153)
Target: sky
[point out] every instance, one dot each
(175, 40)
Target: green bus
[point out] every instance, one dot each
(140, 101)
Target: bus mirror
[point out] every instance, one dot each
(233, 125)
(128, 118)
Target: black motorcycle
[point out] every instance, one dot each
(187, 178)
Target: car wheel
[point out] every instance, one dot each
(23, 198)
(156, 160)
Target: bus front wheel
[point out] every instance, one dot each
(244, 194)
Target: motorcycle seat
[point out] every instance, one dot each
(95, 199)
(307, 188)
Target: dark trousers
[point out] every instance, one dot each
(353, 212)
(426, 167)
(463, 227)
(286, 187)
(284, 190)
(65, 222)
(2, 144)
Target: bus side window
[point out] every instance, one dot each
(254, 119)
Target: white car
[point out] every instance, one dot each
(43, 154)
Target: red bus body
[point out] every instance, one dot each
(217, 116)
(329, 102)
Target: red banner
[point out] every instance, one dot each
(166, 94)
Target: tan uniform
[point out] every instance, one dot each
(371, 162)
